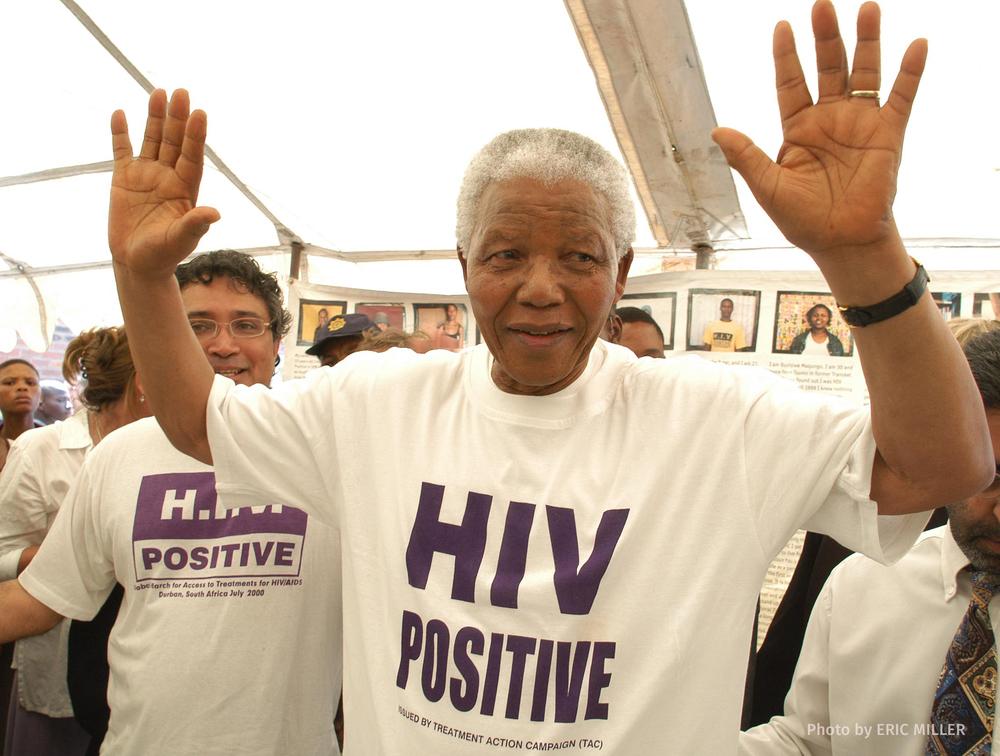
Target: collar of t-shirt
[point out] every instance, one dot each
(587, 395)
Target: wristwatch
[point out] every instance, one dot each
(859, 317)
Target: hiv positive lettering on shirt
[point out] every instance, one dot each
(181, 533)
(463, 667)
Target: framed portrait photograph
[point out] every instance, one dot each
(661, 307)
(949, 303)
(314, 314)
(809, 323)
(384, 316)
(986, 305)
(444, 323)
(723, 320)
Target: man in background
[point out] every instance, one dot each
(197, 579)
(640, 332)
(874, 650)
(55, 404)
(724, 334)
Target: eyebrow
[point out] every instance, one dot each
(233, 313)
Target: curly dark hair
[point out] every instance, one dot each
(243, 270)
(983, 354)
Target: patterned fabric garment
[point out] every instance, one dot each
(962, 715)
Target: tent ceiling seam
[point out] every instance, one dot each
(285, 235)
(25, 271)
(56, 173)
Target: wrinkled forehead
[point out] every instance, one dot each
(516, 206)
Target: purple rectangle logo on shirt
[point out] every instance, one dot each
(182, 532)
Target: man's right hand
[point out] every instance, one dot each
(154, 222)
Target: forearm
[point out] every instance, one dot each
(22, 615)
(171, 365)
(927, 415)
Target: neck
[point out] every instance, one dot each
(108, 418)
(16, 423)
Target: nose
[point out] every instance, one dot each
(223, 344)
(542, 285)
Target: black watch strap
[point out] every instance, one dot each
(860, 317)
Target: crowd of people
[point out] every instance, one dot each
(546, 563)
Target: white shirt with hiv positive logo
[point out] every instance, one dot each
(551, 573)
(228, 637)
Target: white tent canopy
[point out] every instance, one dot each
(351, 124)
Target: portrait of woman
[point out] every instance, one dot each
(817, 339)
(449, 333)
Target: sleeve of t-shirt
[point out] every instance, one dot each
(707, 336)
(287, 443)
(739, 338)
(808, 700)
(809, 463)
(73, 571)
(23, 516)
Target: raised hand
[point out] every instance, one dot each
(154, 221)
(834, 180)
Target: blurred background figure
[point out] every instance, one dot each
(55, 403)
(41, 466)
(381, 321)
(19, 397)
(339, 337)
(817, 339)
(640, 332)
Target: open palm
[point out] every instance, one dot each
(834, 179)
(154, 221)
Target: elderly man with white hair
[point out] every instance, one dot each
(570, 575)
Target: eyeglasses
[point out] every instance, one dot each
(240, 328)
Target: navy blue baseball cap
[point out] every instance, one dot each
(339, 327)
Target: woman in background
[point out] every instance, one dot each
(41, 466)
(817, 339)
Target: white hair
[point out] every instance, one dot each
(548, 156)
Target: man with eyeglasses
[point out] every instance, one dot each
(190, 670)
(870, 668)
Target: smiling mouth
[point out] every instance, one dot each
(540, 330)
(229, 372)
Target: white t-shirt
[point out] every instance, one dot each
(228, 637)
(41, 467)
(576, 571)
(872, 655)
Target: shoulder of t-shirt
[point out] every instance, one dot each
(35, 439)
(393, 366)
(690, 370)
(137, 440)
(860, 569)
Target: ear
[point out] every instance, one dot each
(623, 267)
(464, 263)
